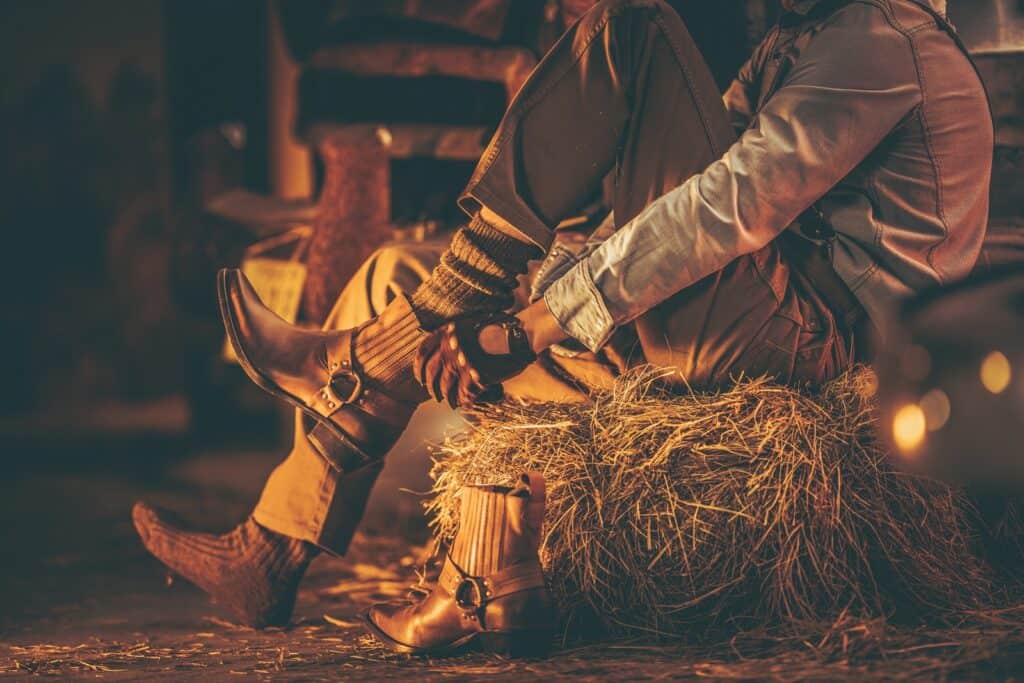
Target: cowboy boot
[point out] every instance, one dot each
(357, 385)
(354, 386)
(491, 593)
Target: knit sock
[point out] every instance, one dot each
(251, 571)
(477, 273)
(385, 351)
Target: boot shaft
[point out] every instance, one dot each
(498, 526)
(491, 589)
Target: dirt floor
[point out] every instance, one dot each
(80, 600)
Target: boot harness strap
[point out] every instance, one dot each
(345, 387)
(473, 593)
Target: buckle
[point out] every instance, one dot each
(471, 594)
(354, 393)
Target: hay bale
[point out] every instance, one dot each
(758, 506)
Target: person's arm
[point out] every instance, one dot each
(540, 325)
(542, 329)
(829, 114)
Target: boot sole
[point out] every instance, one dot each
(514, 644)
(263, 382)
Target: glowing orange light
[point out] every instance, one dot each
(909, 426)
(936, 408)
(996, 372)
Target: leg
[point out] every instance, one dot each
(310, 502)
(626, 89)
(306, 497)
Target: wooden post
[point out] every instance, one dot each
(291, 164)
(353, 217)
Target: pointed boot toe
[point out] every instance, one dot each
(285, 360)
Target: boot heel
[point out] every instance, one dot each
(518, 644)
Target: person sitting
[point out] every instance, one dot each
(766, 232)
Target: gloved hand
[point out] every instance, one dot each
(452, 366)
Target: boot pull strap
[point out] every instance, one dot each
(327, 401)
(345, 386)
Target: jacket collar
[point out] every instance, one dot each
(804, 7)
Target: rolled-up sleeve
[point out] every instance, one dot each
(829, 114)
(579, 307)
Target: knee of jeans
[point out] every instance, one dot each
(390, 270)
(396, 269)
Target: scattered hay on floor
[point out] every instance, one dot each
(709, 514)
(851, 650)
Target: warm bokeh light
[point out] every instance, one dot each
(909, 426)
(936, 408)
(996, 372)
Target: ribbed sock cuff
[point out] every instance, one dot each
(386, 351)
(477, 273)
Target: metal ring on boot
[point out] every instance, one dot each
(471, 595)
(327, 402)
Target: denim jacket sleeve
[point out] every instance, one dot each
(824, 119)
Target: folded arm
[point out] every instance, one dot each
(824, 120)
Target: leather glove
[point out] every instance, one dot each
(452, 366)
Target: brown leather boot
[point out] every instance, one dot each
(355, 385)
(491, 593)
